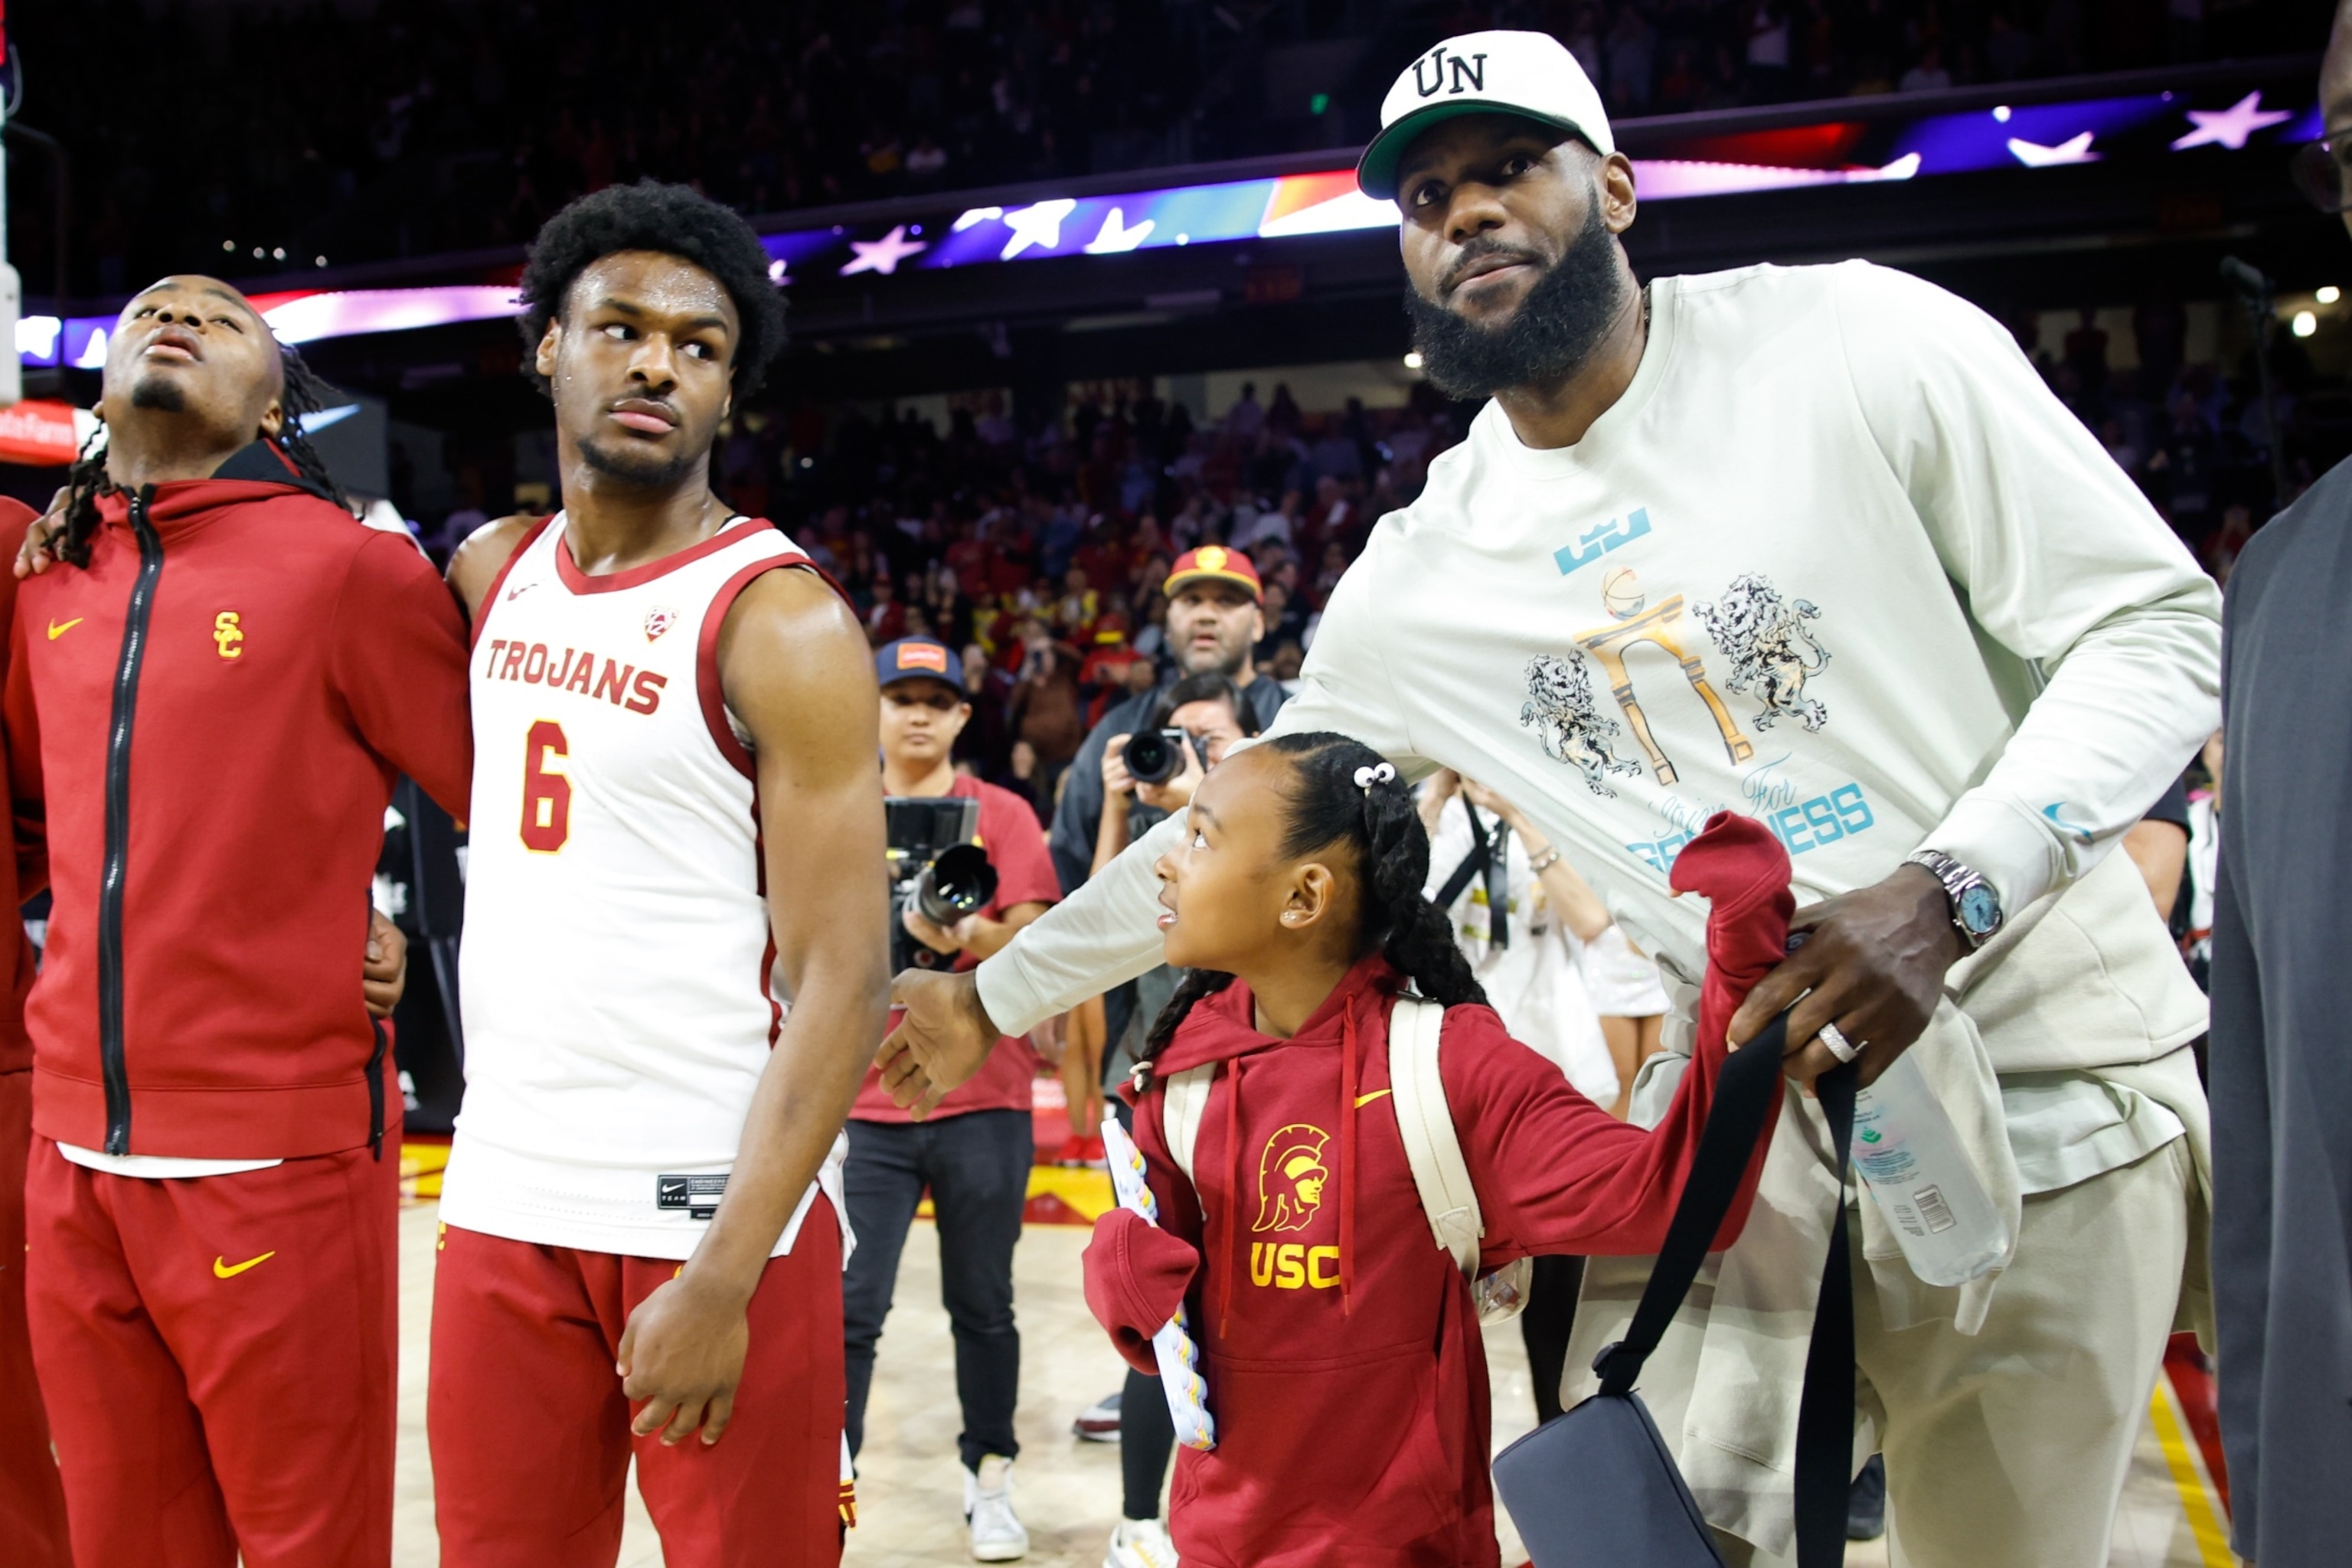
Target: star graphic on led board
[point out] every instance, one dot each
(2033, 155)
(1040, 226)
(883, 254)
(1115, 238)
(2229, 127)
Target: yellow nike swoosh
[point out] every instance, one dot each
(56, 631)
(1364, 1099)
(224, 1269)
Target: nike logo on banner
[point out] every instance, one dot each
(56, 631)
(224, 1269)
(1364, 1099)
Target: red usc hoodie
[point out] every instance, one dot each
(1342, 1351)
(205, 722)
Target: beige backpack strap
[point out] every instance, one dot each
(1432, 1147)
(1187, 1102)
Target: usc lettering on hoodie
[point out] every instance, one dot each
(1342, 1351)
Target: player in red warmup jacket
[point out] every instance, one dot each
(209, 697)
(1341, 1347)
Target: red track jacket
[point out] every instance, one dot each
(1342, 1348)
(207, 722)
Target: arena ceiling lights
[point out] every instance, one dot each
(1836, 152)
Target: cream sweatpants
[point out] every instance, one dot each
(2010, 1446)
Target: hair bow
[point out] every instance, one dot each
(1376, 774)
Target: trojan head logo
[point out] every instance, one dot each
(1290, 1178)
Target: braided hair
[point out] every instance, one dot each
(86, 480)
(1378, 822)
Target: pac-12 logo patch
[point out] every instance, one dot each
(657, 621)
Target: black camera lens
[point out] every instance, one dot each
(959, 883)
(1155, 756)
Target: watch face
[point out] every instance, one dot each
(1980, 911)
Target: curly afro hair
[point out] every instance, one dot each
(675, 220)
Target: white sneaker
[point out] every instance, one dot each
(1141, 1544)
(997, 1534)
(1098, 1421)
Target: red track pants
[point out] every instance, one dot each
(32, 1505)
(530, 1432)
(217, 1356)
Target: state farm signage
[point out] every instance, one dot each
(41, 432)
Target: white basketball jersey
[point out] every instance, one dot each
(617, 976)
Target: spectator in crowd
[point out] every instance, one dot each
(972, 1153)
(1522, 917)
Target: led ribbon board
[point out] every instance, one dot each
(1827, 153)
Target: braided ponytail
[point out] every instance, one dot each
(85, 482)
(305, 394)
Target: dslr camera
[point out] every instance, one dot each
(1155, 756)
(935, 868)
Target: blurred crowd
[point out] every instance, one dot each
(455, 124)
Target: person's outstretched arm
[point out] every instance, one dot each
(1107, 930)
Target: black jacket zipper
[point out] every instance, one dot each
(117, 831)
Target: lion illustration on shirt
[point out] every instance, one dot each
(1559, 709)
(1773, 653)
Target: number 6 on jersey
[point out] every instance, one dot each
(546, 795)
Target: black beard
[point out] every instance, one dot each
(1545, 341)
(160, 394)
(633, 467)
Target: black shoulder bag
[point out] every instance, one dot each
(1597, 1488)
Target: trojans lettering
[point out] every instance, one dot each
(623, 685)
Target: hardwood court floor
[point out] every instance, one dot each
(909, 1494)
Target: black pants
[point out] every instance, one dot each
(1544, 1325)
(977, 1167)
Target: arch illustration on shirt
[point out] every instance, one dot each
(1662, 625)
(1290, 1177)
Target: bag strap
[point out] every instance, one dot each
(1187, 1102)
(1481, 851)
(1744, 1090)
(1432, 1146)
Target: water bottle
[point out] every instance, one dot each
(1911, 1160)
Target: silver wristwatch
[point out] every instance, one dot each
(1976, 908)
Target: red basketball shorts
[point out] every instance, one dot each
(530, 1430)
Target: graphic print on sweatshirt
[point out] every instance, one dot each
(1752, 641)
(1291, 1180)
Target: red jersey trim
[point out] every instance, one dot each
(580, 581)
(490, 599)
(705, 656)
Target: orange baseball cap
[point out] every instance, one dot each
(1213, 563)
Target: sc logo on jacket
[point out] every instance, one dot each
(228, 634)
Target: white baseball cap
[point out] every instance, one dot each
(1531, 75)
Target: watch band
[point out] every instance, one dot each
(1960, 881)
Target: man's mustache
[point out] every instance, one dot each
(1483, 248)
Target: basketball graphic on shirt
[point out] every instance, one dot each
(1290, 1178)
(1622, 594)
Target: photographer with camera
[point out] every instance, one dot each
(1214, 620)
(973, 1152)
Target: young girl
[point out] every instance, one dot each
(1341, 1346)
